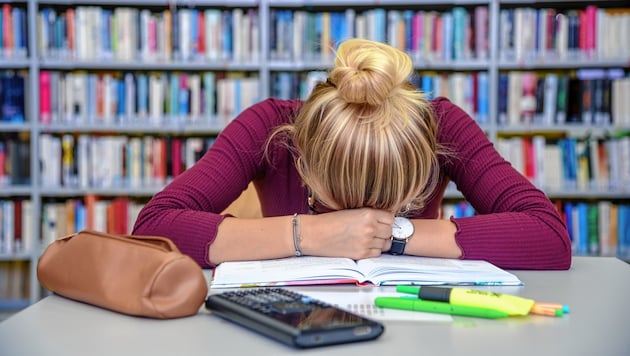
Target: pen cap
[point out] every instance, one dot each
(435, 293)
(407, 289)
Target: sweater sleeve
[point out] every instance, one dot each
(188, 210)
(516, 225)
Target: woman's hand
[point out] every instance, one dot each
(354, 233)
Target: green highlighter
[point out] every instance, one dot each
(429, 306)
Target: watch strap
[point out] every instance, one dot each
(398, 247)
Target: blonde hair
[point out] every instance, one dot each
(366, 136)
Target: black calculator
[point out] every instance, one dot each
(292, 318)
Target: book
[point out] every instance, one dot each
(44, 97)
(550, 102)
(12, 99)
(380, 271)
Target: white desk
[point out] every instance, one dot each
(597, 289)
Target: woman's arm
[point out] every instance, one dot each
(353, 233)
(516, 225)
(433, 238)
(188, 210)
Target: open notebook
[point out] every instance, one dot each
(382, 270)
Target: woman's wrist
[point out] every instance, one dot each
(434, 238)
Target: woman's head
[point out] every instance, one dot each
(366, 136)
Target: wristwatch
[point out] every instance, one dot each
(402, 230)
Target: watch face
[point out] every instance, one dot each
(402, 228)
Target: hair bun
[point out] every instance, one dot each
(368, 72)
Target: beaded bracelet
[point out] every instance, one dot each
(296, 234)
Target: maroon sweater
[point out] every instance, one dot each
(516, 226)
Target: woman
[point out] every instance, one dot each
(333, 172)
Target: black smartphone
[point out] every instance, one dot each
(292, 318)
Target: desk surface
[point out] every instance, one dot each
(597, 289)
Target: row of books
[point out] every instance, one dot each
(455, 34)
(92, 161)
(588, 96)
(592, 32)
(598, 229)
(14, 282)
(13, 32)
(16, 221)
(144, 98)
(61, 218)
(580, 164)
(469, 90)
(126, 33)
(85, 32)
(13, 96)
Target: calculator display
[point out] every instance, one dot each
(311, 316)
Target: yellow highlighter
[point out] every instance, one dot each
(506, 303)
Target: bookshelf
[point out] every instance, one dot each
(85, 115)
